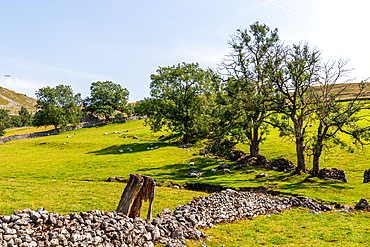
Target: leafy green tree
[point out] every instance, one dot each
(244, 101)
(25, 117)
(5, 118)
(120, 116)
(179, 100)
(106, 98)
(293, 74)
(2, 129)
(332, 116)
(15, 121)
(57, 106)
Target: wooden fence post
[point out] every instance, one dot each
(138, 188)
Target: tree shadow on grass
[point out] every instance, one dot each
(181, 170)
(130, 148)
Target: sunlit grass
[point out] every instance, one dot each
(68, 174)
(293, 228)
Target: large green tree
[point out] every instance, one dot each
(243, 102)
(106, 98)
(179, 100)
(293, 74)
(58, 106)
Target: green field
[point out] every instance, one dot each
(68, 174)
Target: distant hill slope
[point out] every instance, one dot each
(350, 90)
(13, 101)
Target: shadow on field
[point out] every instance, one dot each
(303, 184)
(130, 148)
(181, 170)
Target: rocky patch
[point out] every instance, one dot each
(332, 173)
(281, 165)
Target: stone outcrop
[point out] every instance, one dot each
(332, 173)
(367, 176)
(99, 228)
(259, 161)
(281, 165)
(362, 205)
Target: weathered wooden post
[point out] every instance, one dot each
(138, 188)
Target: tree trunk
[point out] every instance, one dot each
(254, 147)
(318, 149)
(316, 159)
(138, 188)
(301, 166)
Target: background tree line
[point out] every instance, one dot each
(59, 106)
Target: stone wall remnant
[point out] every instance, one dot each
(367, 176)
(332, 173)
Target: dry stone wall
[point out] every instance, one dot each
(99, 228)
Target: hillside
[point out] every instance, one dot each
(348, 91)
(13, 101)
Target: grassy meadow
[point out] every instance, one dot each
(68, 174)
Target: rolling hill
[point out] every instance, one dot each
(13, 101)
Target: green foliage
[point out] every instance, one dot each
(120, 115)
(179, 100)
(25, 117)
(293, 75)
(106, 98)
(2, 129)
(57, 106)
(244, 100)
(130, 110)
(334, 117)
(222, 148)
(5, 120)
(15, 121)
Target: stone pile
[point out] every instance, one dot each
(362, 205)
(259, 161)
(282, 165)
(332, 173)
(367, 176)
(99, 228)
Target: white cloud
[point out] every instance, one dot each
(28, 87)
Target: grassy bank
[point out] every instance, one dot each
(68, 174)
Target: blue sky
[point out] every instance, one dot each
(81, 41)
